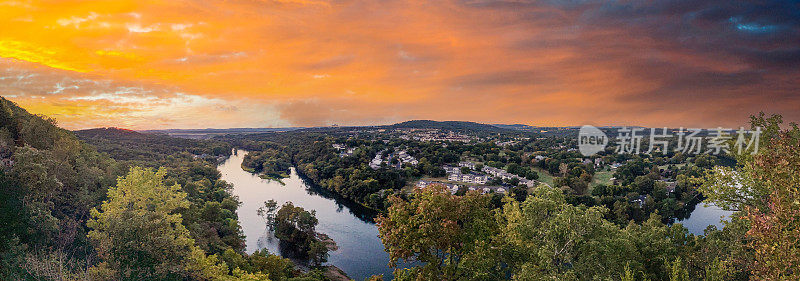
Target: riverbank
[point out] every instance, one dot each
(368, 212)
(336, 274)
(330, 271)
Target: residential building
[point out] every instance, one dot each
(467, 164)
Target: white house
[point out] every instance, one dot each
(451, 169)
(454, 177)
(467, 164)
(481, 179)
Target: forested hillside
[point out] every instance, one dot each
(50, 181)
(124, 144)
(211, 216)
(146, 207)
(456, 126)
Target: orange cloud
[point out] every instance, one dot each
(315, 62)
(32, 53)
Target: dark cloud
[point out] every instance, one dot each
(503, 78)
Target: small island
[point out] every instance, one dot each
(295, 227)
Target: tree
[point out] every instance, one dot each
(295, 225)
(532, 175)
(719, 270)
(139, 235)
(764, 187)
(41, 132)
(317, 252)
(7, 120)
(267, 212)
(541, 238)
(550, 239)
(775, 227)
(677, 271)
(437, 229)
(260, 262)
(562, 169)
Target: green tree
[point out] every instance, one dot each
(550, 239)
(267, 212)
(719, 270)
(139, 234)
(297, 226)
(294, 224)
(678, 271)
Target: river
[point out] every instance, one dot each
(360, 252)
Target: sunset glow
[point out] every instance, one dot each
(260, 63)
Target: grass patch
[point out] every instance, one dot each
(677, 166)
(544, 176)
(602, 177)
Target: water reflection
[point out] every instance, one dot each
(360, 252)
(363, 213)
(703, 216)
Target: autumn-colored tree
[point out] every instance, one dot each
(775, 227)
(766, 188)
(437, 229)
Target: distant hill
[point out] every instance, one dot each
(210, 132)
(521, 127)
(457, 126)
(112, 133)
(123, 144)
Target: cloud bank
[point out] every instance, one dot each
(190, 64)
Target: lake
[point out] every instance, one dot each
(703, 216)
(360, 252)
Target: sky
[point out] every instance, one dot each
(273, 63)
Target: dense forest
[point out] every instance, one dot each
(315, 159)
(120, 206)
(128, 145)
(269, 162)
